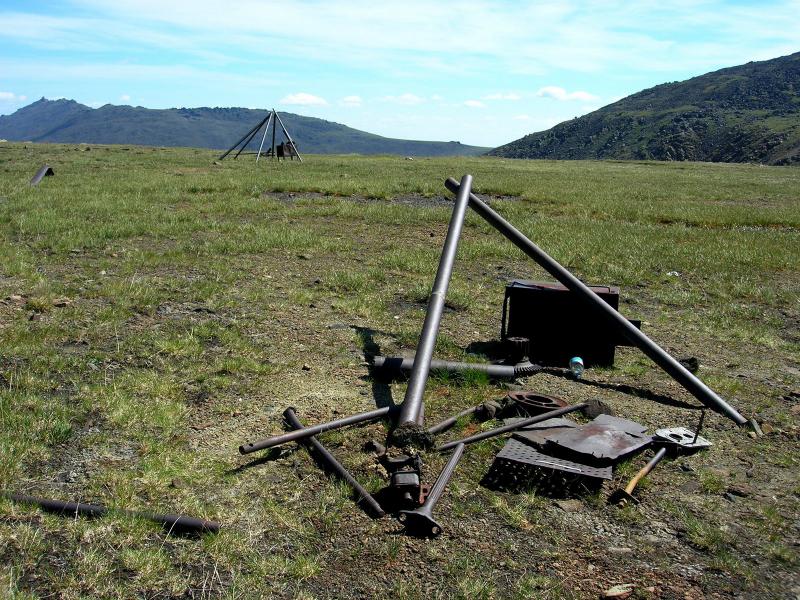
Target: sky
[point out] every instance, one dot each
(479, 72)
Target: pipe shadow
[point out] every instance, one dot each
(272, 455)
(381, 390)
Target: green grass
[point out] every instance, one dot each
(195, 298)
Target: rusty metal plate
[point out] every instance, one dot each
(516, 452)
(538, 433)
(604, 441)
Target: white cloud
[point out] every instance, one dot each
(11, 97)
(559, 93)
(125, 98)
(437, 98)
(352, 101)
(503, 96)
(474, 104)
(303, 99)
(406, 99)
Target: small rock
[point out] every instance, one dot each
(34, 316)
(61, 302)
(595, 408)
(177, 482)
(795, 410)
(729, 497)
(16, 299)
(409, 158)
(686, 467)
(614, 550)
(741, 490)
(691, 363)
(766, 428)
(306, 367)
(619, 591)
(570, 505)
(303, 257)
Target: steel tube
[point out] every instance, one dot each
(364, 497)
(256, 128)
(444, 476)
(410, 410)
(450, 421)
(288, 137)
(264, 137)
(657, 354)
(170, 522)
(511, 427)
(305, 432)
(406, 364)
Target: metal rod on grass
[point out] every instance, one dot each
(305, 432)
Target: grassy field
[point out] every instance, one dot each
(158, 309)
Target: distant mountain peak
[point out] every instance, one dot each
(747, 113)
(68, 121)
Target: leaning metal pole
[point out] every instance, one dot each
(288, 137)
(250, 131)
(264, 137)
(657, 354)
(409, 421)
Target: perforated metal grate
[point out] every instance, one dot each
(518, 452)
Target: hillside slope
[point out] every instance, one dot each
(749, 113)
(68, 121)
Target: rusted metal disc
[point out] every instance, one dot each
(533, 403)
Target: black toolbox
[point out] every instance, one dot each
(558, 325)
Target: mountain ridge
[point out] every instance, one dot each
(68, 121)
(746, 113)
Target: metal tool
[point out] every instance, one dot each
(178, 524)
(621, 496)
(306, 432)
(363, 497)
(420, 522)
(409, 422)
(511, 427)
(657, 354)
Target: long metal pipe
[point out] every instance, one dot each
(263, 137)
(172, 523)
(398, 363)
(410, 410)
(511, 427)
(256, 128)
(657, 354)
(288, 137)
(363, 496)
(305, 432)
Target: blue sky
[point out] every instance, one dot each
(475, 71)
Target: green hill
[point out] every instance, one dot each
(749, 113)
(68, 121)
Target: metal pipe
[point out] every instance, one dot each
(512, 426)
(657, 354)
(249, 131)
(412, 403)
(420, 521)
(450, 421)
(363, 496)
(305, 432)
(250, 139)
(289, 137)
(179, 524)
(264, 137)
(398, 363)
